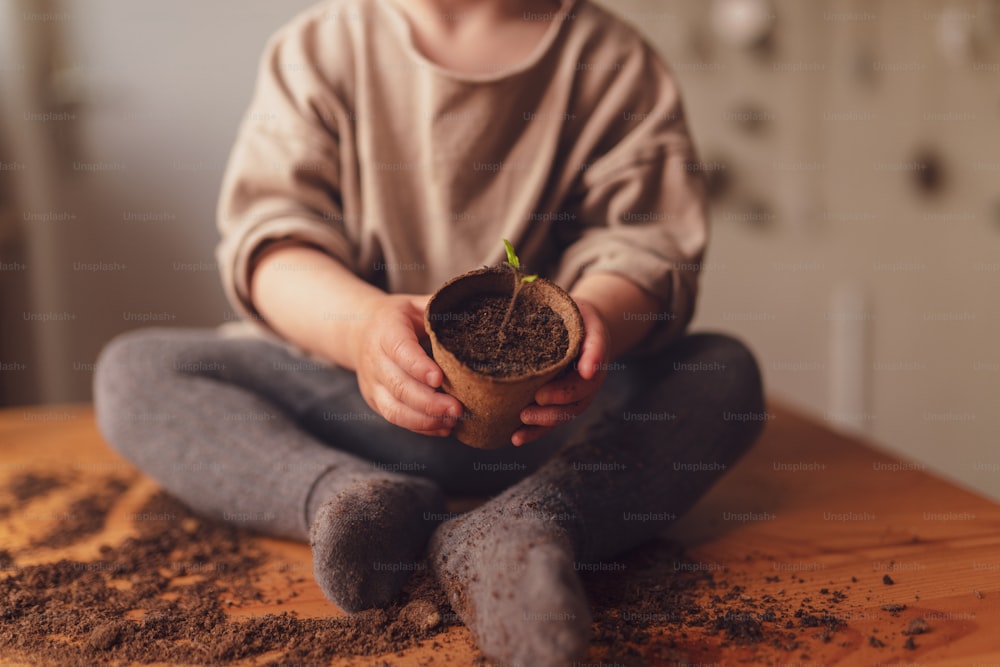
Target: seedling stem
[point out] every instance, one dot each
(519, 281)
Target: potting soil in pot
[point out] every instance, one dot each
(534, 338)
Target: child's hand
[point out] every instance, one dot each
(569, 395)
(396, 377)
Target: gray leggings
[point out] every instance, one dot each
(242, 429)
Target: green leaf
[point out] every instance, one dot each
(512, 260)
(529, 279)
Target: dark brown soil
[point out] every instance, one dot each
(917, 626)
(22, 489)
(650, 597)
(85, 515)
(163, 595)
(535, 336)
(893, 609)
(32, 485)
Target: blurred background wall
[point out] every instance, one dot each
(853, 149)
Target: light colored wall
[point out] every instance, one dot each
(847, 89)
(155, 90)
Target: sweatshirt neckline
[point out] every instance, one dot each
(402, 24)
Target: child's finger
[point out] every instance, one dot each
(419, 302)
(523, 436)
(437, 433)
(568, 389)
(417, 395)
(402, 415)
(595, 343)
(406, 353)
(416, 314)
(551, 416)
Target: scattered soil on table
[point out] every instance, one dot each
(656, 590)
(84, 516)
(33, 485)
(162, 595)
(893, 609)
(917, 626)
(22, 489)
(535, 336)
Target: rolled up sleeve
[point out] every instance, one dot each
(643, 207)
(282, 182)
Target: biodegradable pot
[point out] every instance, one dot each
(493, 404)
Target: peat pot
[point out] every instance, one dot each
(493, 404)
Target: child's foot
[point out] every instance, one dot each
(511, 580)
(370, 537)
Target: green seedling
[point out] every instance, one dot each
(520, 280)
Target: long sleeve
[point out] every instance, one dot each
(642, 199)
(283, 180)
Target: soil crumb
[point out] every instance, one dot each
(33, 485)
(22, 489)
(85, 515)
(535, 336)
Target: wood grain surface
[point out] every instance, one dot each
(806, 510)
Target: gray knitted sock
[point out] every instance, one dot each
(508, 566)
(368, 535)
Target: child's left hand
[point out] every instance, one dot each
(570, 394)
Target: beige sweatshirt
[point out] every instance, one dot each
(410, 174)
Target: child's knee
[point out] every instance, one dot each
(147, 358)
(724, 361)
(738, 363)
(740, 390)
(127, 376)
(123, 359)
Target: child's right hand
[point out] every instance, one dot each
(397, 378)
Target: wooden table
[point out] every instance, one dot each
(824, 509)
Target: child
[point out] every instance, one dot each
(390, 145)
